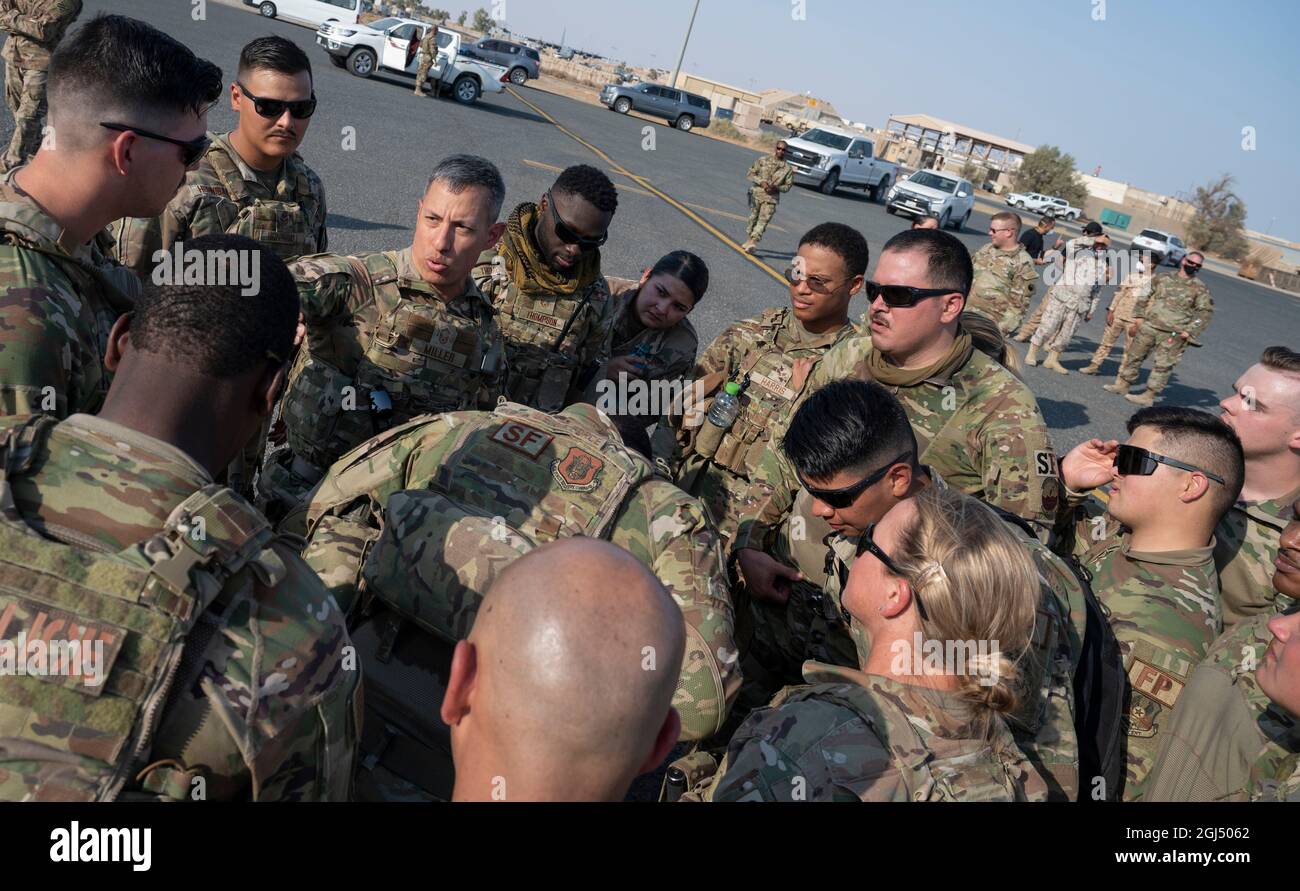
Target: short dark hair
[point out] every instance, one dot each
(1046, 222)
(844, 241)
(589, 183)
(1199, 438)
(848, 425)
(948, 263)
(687, 269)
(215, 329)
(1280, 358)
(117, 64)
(273, 53)
(461, 172)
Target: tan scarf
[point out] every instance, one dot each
(529, 270)
(892, 376)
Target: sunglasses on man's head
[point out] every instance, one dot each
(1132, 460)
(565, 232)
(274, 108)
(901, 296)
(838, 499)
(192, 149)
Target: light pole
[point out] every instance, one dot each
(685, 40)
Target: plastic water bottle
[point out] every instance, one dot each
(726, 407)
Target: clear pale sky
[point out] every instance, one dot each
(1157, 93)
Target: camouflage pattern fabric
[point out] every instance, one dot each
(1071, 298)
(35, 28)
(1004, 281)
(551, 323)
(1174, 305)
(1164, 608)
(1246, 547)
(58, 302)
(428, 53)
(767, 170)
(212, 621)
(1133, 289)
(224, 195)
(851, 736)
(761, 354)
(1228, 741)
(1030, 325)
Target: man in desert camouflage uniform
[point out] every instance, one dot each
(59, 295)
(393, 334)
(1004, 275)
(458, 497)
(545, 282)
(1176, 311)
(251, 181)
(771, 175)
(1264, 410)
(428, 54)
(1071, 300)
(1150, 553)
(35, 28)
(204, 613)
(1120, 313)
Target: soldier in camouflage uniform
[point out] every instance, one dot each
(458, 497)
(1162, 598)
(1071, 300)
(1120, 313)
(35, 28)
(59, 295)
(393, 334)
(251, 181)
(878, 731)
(1004, 275)
(428, 54)
(224, 672)
(770, 175)
(545, 282)
(1264, 410)
(1174, 314)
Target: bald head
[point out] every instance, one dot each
(564, 688)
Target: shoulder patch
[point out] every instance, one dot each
(1045, 463)
(578, 471)
(522, 438)
(1160, 685)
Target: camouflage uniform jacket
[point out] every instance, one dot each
(1164, 608)
(1247, 541)
(35, 28)
(769, 171)
(537, 477)
(1228, 741)
(1003, 280)
(224, 195)
(58, 302)
(375, 326)
(261, 706)
(1176, 304)
(853, 736)
(979, 427)
(1134, 289)
(1081, 277)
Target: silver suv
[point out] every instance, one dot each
(522, 62)
(683, 110)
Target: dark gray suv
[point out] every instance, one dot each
(522, 62)
(683, 110)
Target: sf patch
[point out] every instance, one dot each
(1045, 463)
(522, 438)
(578, 471)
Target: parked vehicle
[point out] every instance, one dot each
(384, 45)
(523, 62)
(683, 110)
(1047, 205)
(934, 192)
(317, 12)
(828, 158)
(1165, 247)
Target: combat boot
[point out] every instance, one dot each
(1144, 398)
(1118, 387)
(1031, 357)
(1091, 368)
(1052, 362)
(748, 247)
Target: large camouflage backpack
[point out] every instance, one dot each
(285, 226)
(64, 736)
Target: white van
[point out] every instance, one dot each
(314, 12)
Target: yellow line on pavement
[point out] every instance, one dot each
(646, 184)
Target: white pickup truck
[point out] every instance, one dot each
(384, 45)
(1044, 204)
(828, 158)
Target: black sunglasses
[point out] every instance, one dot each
(274, 108)
(1187, 265)
(193, 148)
(901, 296)
(867, 542)
(565, 232)
(1141, 462)
(819, 285)
(838, 499)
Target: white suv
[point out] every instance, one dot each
(934, 193)
(1164, 246)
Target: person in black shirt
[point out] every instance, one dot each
(1032, 239)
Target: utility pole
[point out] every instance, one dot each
(685, 40)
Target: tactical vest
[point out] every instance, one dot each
(286, 227)
(62, 737)
(419, 359)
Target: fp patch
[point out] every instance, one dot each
(577, 471)
(522, 438)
